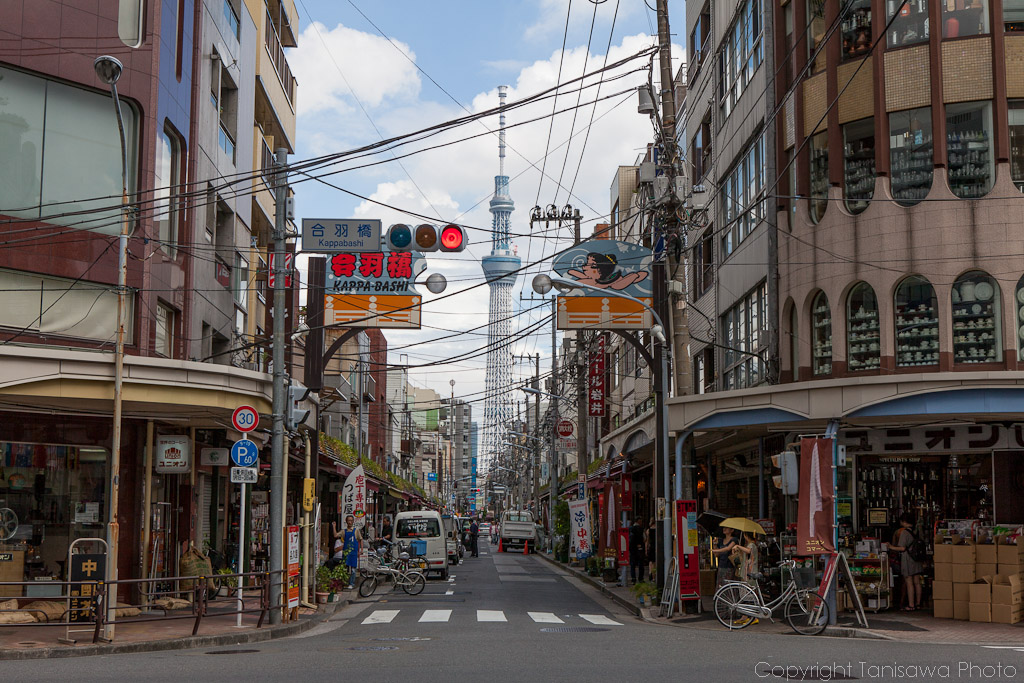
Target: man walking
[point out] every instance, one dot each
(474, 533)
(636, 551)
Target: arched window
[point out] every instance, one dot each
(1019, 324)
(794, 343)
(819, 176)
(862, 329)
(917, 323)
(976, 319)
(821, 334)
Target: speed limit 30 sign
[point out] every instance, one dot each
(245, 419)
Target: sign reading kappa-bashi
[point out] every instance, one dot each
(373, 289)
(618, 267)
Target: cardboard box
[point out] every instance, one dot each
(1007, 589)
(962, 592)
(980, 590)
(980, 611)
(1011, 554)
(1010, 570)
(943, 551)
(986, 569)
(986, 554)
(963, 573)
(961, 610)
(1006, 614)
(942, 590)
(942, 609)
(965, 553)
(944, 572)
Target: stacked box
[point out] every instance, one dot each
(962, 558)
(1007, 599)
(1010, 556)
(980, 594)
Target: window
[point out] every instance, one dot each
(1013, 15)
(911, 26)
(164, 344)
(917, 323)
(743, 201)
(226, 143)
(964, 18)
(741, 55)
(862, 329)
(241, 279)
(167, 215)
(704, 375)
(744, 327)
(910, 154)
(239, 321)
(794, 344)
(1016, 121)
(1019, 324)
(60, 144)
(698, 42)
(700, 150)
(819, 176)
(703, 265)
(968, 138)
(417, 528)
(231, 17)
(261, 282)
(821, 335)
(816, 34)
(857, 29)
(976, 319)
(859, 164)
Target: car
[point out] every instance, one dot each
(485, 529)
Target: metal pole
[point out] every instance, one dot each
(241, 553)
(147, 503)
(666, 534)
(307, 555)
(362, 404)
(536, 443)
(553, 465)
(451, 434)
(582, 406)
(277, 454)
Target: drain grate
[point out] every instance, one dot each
(373, 648)
(572, 629)
(232, 652)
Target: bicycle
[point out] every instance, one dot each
(400, 571)
(738, 604)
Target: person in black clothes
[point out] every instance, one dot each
(385, 529)
(637, 557)
(474, 532)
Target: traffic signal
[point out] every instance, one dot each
(296, 415)
(789, 477)
(399, 237)
(453, 238)
(427, 237)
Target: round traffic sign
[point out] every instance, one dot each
(244, 453)
(565, 428)
(245, 419)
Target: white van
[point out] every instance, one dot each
(424, 525)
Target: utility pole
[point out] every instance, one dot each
(451, 434)
(553, 466)
(277, 454)
(536, 442)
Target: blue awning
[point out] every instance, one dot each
(950, 402)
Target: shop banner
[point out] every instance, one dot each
(600, 515)
(595, 380)
(352, 499)
(686, 536)
(814, 516)
(293, 567)
(173, 455)
(627, 493)
(86, 573)
(612, 520)
(579, 529)
(316, 538)
(622, 549)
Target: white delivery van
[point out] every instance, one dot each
(424, 525)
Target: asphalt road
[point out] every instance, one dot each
(503, 617)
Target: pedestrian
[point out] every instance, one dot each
(651, 547)
(910, 568)
(474, 533)
(748, 553)
(349, 540)
(726, 568)
(636, 550)
(385, 529)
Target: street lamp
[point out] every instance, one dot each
(542, 284)
(108, 69)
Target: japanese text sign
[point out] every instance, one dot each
(814, 510)
(614, 267)
(352, 498)
(595, 380)
(686, 534)
(373, 289)
(86, 568)
(579, 529)
(333, 235)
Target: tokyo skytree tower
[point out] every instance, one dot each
(500, 269)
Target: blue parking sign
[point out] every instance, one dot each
(244, 453)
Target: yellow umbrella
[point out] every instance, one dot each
(743, 524)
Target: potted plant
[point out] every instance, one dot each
(646, 593)
(594, 565)
(323, 583)
(337, 582)
(227, 584)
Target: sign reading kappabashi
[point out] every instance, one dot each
(373, 289)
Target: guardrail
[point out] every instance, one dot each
(84, 602)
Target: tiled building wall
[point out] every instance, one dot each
(908, 81)
(815, 98)
(967, 70)
(858, 100)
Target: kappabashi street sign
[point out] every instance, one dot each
(613, 266)
(373, 289)
(245, 419)
(336, 235)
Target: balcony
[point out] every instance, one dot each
(278, 59)
(369, 387)
(340, 384)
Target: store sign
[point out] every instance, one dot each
(889, 443)
(814, 512)
(623, 546)
(334, 235)
(618, 267)
(289, 261)
(687, 539)
(352, 499)
(293, 567)
(214, 457)
(6, 557)
(222, 273)
(595, 380)
(579, 529)
(173, 455)
(373, 289)
(244, 475)
(627, 492)
(87, 569)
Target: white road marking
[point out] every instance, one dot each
(490, 615)
(436, 615)
(381, 616)
(600, 619)
(545, 618)
(449, 592)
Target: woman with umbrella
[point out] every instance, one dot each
(726, 569)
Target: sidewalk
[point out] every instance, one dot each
(916, 627)
(40, 641)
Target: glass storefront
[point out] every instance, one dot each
(910, 26)
(962, 18)
(859, 164)
(819, 176)
(917, 323)
(968, 141)
(910, 154)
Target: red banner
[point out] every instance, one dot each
(623, 548)
(686, 535)
(814, 512)
(595, 380)
(627, 493)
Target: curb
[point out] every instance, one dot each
(599, 585)
(252, 636)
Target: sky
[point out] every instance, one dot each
(374, 70)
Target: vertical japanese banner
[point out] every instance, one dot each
(600, 515)
(622, 549)
(353, 498)
(686, 535)
(627, 493)
(317, 538)
(579, 529)
(293, 567)
(86, 572)
(595, 380)
(814, 510)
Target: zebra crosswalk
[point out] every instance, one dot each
(445, 616)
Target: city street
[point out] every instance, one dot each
(512, 617)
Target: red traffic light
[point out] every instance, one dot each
(453, 238)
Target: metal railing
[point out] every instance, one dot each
(86, 601)
(277, 56)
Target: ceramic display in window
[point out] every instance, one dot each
(819, 176)
(917, 323)
(862, 329)
(910, 154)
(859, 164)
(968, 138)
(1019, 320)
(821, 335)
(976, 319)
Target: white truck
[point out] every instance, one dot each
(517, 531)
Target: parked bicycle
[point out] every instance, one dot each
(738, 604)
(400, 571)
